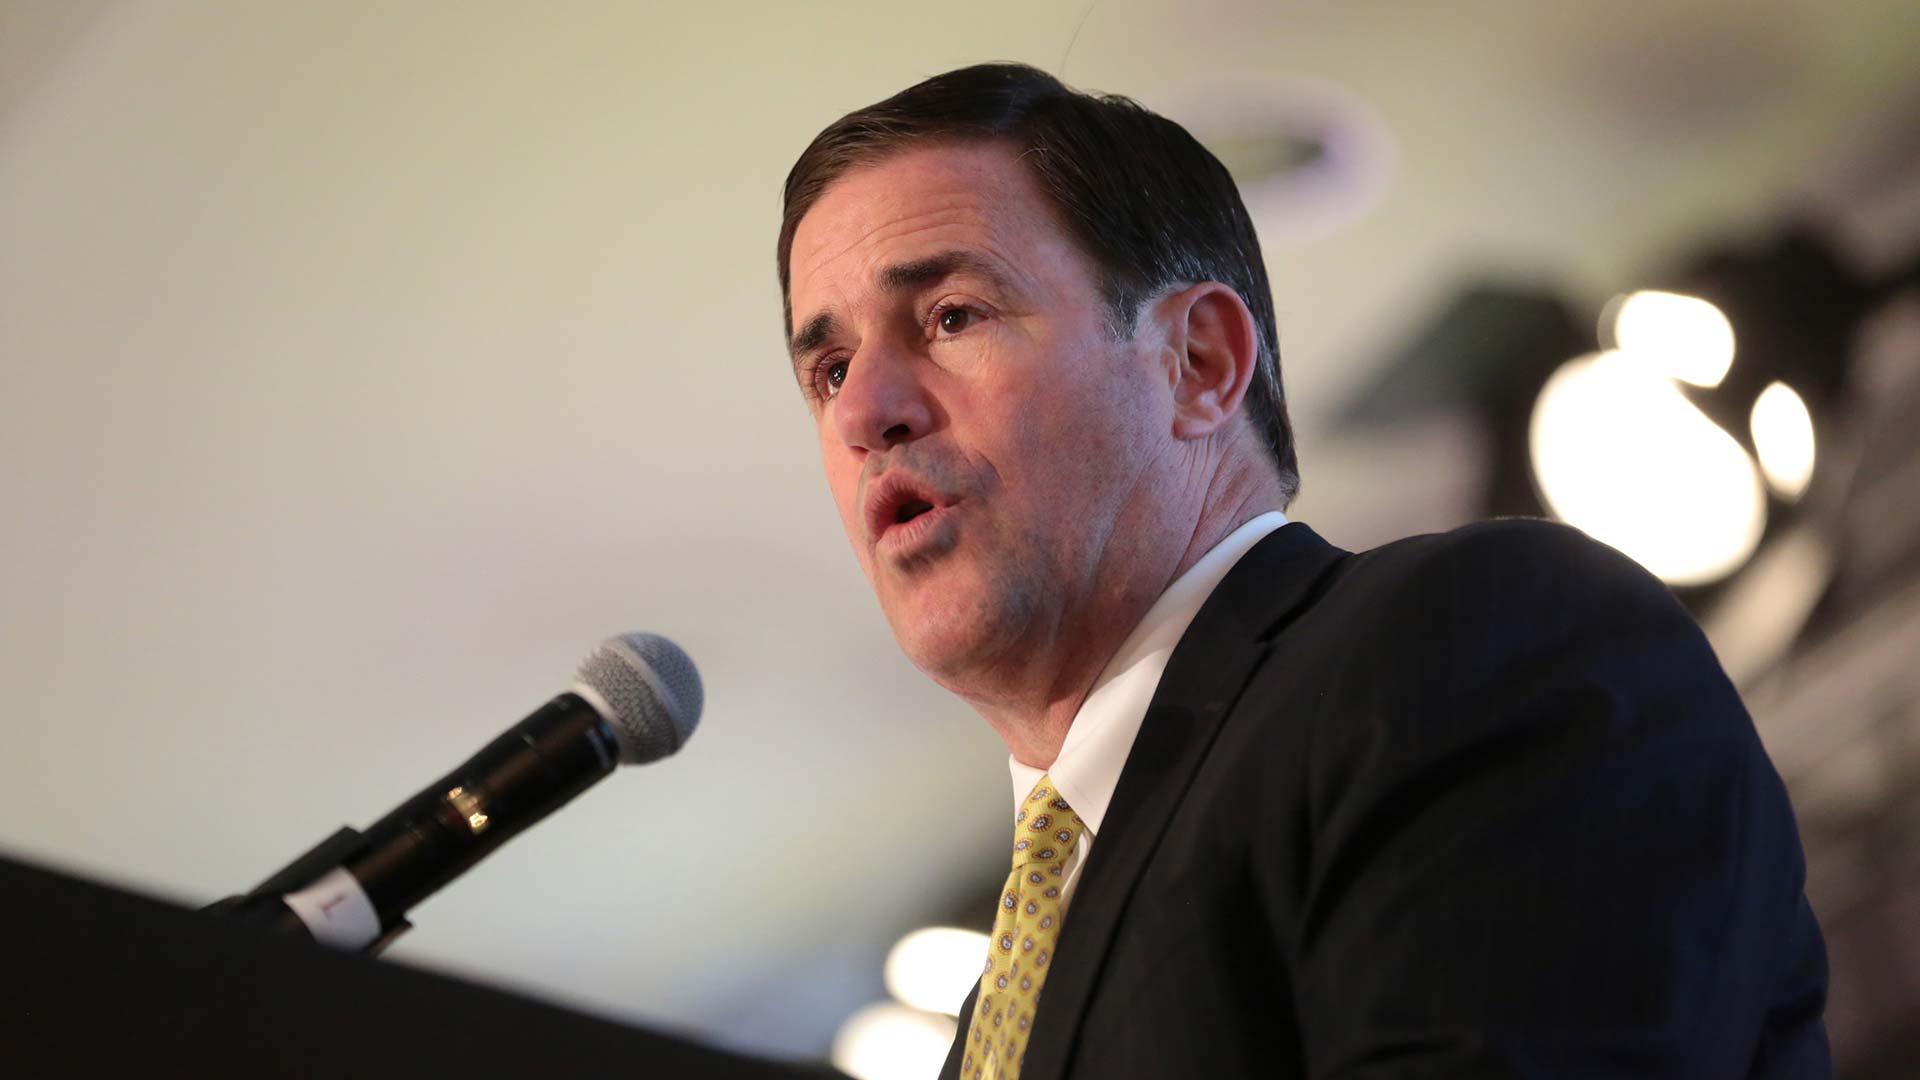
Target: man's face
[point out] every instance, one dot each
(985, 437)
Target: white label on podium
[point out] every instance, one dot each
(337, 911)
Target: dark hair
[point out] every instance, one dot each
(1150, 206)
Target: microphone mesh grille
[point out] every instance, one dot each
(653, 689)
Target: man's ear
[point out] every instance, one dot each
(1214, 350)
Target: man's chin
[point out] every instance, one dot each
(952, 636)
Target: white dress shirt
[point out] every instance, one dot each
(1101, 735)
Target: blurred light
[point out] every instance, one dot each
(889, 1041)
(1783, 436)
(934, 968)
(1309, 156)
(1622, 455)
(1684, 337)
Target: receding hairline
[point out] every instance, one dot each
(882, 150)
(882, 153)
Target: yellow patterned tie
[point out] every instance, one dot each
(1024, 933)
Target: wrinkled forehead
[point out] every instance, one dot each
(966, 196)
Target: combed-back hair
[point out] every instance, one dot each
(1151, 208)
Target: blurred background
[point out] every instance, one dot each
(366, 364)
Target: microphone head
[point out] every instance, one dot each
(652, 692)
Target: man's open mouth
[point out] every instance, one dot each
(899, 500)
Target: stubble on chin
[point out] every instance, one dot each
(969, 635)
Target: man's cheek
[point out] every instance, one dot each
(856, 541)
(844, 488)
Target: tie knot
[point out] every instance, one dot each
(1045, 828)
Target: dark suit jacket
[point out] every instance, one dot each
(1472, 804)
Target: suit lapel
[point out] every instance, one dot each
(1209, 669)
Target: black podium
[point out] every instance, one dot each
(97, 982)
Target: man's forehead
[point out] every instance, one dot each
(909, 206)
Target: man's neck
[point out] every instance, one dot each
(1033, 714)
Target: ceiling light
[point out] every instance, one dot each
(1309, 156)
(1682, 337)
(889, 1041)
(1619, 453)
(1783, 438)
(934, 968)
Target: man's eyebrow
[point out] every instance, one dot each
(811, 336)
(901, 278)
(904, 277)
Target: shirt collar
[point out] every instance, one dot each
(1101, 735)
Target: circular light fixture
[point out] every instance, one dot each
(1683, 337)
(1783, 438)
(934, 968)
(1309, 156)
(889, 1041)
(1619, 453)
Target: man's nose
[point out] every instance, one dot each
(883, 400)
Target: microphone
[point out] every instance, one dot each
(636, 699)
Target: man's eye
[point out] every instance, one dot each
(832, 374)
(955, 319)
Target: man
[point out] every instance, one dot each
(1472, 804)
